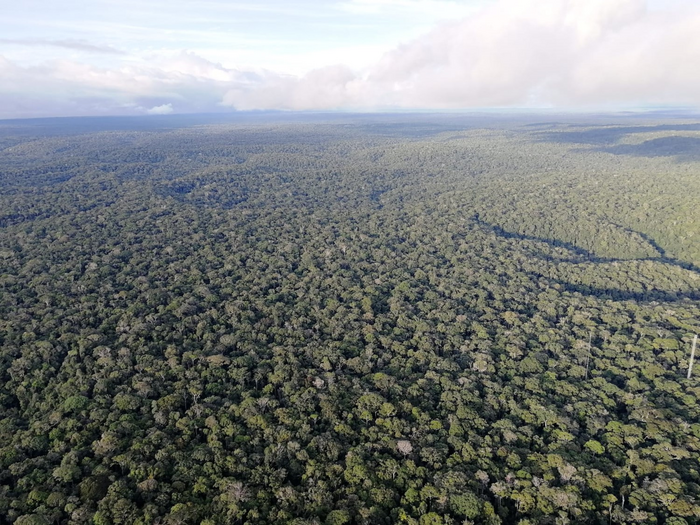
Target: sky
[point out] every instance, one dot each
(154, 57)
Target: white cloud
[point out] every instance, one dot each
(515, 53)
(163, 109)
(64, 87)
(445, 8)
(523, 53)
(77, 45)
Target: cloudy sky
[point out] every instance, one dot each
(131, 57)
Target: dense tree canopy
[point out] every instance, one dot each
(352, 321)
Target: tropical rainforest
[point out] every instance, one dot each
(349, 319)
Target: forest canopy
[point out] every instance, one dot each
(423, 319)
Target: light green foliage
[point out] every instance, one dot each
(466, 504)
(594, 446)
(338, 517)
(75, 403)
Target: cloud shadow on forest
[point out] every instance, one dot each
(608, 136)
(683, 149)
(584, 256)
(617, 294)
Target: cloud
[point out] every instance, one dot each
(446, 8)
(163, 109)
(330, 87)
(76, 45)
(66, 87)
(511, 53)
(565, 53)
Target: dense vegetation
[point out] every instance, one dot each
(422, 320)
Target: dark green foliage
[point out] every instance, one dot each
(349, 322)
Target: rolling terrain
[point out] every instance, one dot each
(429, 319)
